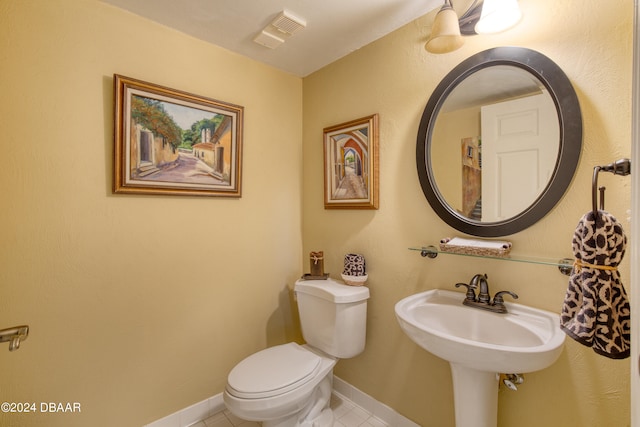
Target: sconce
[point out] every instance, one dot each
(482, 17)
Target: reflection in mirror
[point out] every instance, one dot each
(499, 141)
(501, 126)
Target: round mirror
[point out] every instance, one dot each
(499, 142)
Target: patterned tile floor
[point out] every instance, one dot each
(346, 413)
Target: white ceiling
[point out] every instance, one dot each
(334, 28)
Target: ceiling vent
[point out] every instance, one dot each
(283, 26)
(287, 23)
(267, 39)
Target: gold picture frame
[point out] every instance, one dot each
(170, 142)
(351, 164)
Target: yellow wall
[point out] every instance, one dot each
(451, 129)
(592, 43)
(138, 306)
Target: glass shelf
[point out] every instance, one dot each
(565, 265)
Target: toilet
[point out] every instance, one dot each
(290, 385)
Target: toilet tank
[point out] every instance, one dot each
(333, 316)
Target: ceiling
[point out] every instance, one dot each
(491, 85)
(334, 28)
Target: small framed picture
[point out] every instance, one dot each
(169, 142)
(351, 164)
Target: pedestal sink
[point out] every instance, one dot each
(479, 345)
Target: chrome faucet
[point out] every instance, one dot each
(483, 300)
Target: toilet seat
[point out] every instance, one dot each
(273, 371)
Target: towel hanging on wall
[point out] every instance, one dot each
(596, 310)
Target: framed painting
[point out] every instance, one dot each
(169, 142)
(351, 164)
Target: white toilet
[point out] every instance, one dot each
(290, 385)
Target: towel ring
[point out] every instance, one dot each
(619, 167)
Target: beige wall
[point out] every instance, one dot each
(453, 127)
(394, 77)
(135, 315)
(138, 306)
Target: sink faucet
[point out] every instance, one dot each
(483, 294)
(483, 300)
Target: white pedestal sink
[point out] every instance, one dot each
(479, 345)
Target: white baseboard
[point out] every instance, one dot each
(208, 407)
(381, 411)
(193, 414)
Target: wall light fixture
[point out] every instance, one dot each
(482, 17)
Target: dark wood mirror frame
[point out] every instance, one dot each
(570, 124)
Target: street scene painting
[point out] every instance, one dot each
(351, 164)
(175, 143)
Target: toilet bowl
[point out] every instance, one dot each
(281, 381)
(290, 385)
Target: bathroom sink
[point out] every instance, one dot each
(479, 344)
(523, 340)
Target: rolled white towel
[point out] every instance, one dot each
(486, 244)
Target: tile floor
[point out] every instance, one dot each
(346, 414)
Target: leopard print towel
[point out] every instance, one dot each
(596, 309)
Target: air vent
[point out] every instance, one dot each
(287, 23)
(279, 30)
(268, 40)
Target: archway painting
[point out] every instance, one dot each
(351, 164)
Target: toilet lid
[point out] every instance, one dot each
(273, 371)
